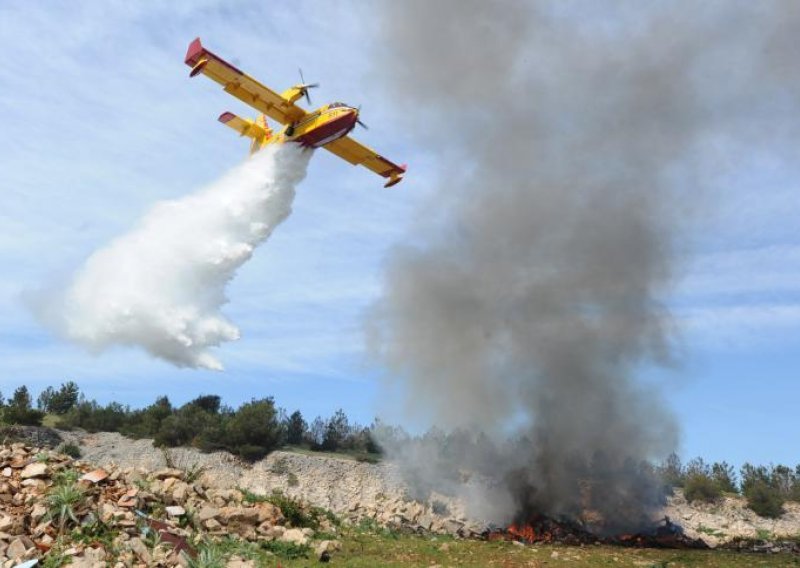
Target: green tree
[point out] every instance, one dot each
(210, 403)
(191, 424)
(724, 476)
(316, 433)
(45, 398)
(146, 423)
(20, 411)
(64, 398)
(336, 431)
(672, 471)
(295, 429)
(253, 430)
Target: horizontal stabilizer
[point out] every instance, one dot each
(243, 126)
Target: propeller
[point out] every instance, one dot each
(305, 87)
(358, 120)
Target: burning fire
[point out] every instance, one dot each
(526, 533)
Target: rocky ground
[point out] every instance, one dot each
(200, 496)
(351, 489)
(357, 490)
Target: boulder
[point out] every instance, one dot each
(17, 549)
(238, 514)
(175, 511)
(207, 512)
(325, 548)
(295, 536)
(32, 470)
(167, 472)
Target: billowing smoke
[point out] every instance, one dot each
(162, 285)
(574, 141)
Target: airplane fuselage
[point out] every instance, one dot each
(320, 127)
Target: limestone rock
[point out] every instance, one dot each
(295, 536)
(32, 470)
(168, 472)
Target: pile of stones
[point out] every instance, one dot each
(51, 504)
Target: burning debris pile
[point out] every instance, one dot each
(51, 506)
(545, 530)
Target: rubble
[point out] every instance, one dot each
(51, 505)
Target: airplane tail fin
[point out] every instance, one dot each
(257, 130)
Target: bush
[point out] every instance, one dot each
(92, 417)
(186, 426)
(764, 500)
(72, 450)
(700, 487)
(253, 430)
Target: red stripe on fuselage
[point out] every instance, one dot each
(343, 124)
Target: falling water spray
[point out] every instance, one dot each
(161, 286)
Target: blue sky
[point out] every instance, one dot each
(100, 120)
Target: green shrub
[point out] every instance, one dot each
(286, 550)
(764, 500)
(72, 450)
(700, 487)
(294, 512)
(89, 415)
(253, 430)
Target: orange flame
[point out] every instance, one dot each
(525, 532)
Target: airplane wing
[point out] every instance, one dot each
(241, 85)
(358, 154)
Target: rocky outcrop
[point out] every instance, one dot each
(729, 520)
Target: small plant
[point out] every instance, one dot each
(764, 534)
(41, 457)
(709, 531)
(176, 460)
(293, 511)
(193, 472)
(279, 467)
(66, 477)
(61, 503)
(292, 480)
(208, 556)
(55, 559)
(250, 497)
(286, 550)
(71, 450)
(93, 530)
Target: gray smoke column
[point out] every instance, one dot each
(573, 141)
(161, 286)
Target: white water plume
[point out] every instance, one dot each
(162, 285)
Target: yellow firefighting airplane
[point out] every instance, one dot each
(326, 127)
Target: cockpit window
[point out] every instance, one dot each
(336, 105)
